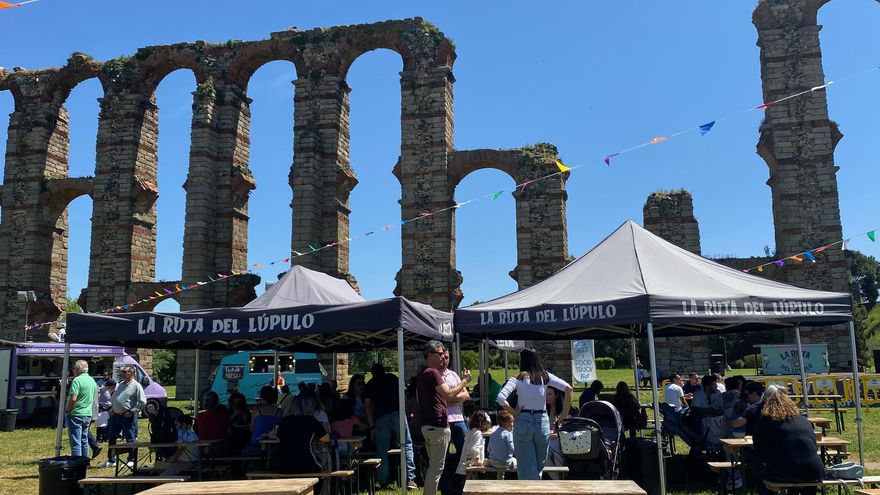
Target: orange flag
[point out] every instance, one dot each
(659, 139)
(5, 5)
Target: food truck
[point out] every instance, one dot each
(30, 375)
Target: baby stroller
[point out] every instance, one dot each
(591, 444)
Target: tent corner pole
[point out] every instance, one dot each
(401, 411)
(62, 398)
(655, 400)
(456, 356)
(195, 398)
(635, 361)
(800, 349)
(858, 395)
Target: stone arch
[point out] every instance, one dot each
(542, 236)
(250, 56)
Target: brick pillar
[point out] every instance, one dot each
(123, 247)
(797, 142)
(670, 215)
(321, 176)
(217, 188)
(428, 273)
(37, 149)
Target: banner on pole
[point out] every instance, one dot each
(583, 361)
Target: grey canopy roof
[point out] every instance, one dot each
(634, 277)
(304, 311)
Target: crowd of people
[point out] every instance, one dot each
(531, 403)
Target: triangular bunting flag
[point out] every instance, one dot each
(312, 248)
(765, 105)
(872, 235)
(810, 257)
(157, 294)
(496, 195)
(796, 258)
(659, 139)
(823, 248)
(561, 167)
(608, 158)
(779, 263)
(167, 291)
(706, 128)
(286, 260)
(760, 268)
(387, 227)
(368, 234)
(258, 265)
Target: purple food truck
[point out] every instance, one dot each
(30, 373)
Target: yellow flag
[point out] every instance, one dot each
(562, 168)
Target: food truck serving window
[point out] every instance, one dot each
(265, 363)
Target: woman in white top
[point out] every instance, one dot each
(531, 431)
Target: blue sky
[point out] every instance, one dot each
(590, 77)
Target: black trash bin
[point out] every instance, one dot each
(639, 463)
(61, 475)
(7, 419)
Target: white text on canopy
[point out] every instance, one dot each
(571, 313)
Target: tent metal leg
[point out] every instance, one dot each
(800, 349)
(456, 356)
(858, 392)
(62, 398)
(655, 398)
(401, 411)
(634, 362)
(196, 385)
(484, 374)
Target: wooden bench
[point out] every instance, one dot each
(728, 468)
(839, 420)
(129, 484)
(339, 476)
(782, 487)
(209, 472)
(372, 466)
(499, 472)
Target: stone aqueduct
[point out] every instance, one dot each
(797, 142)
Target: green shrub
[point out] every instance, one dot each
(470, 360)
(738, 364)
(164, 366)
(604, 363)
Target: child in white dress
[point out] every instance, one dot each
(473, 452)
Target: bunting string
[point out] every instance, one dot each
(563, 168)
(6, 5)
(810, 255)
(153, 297)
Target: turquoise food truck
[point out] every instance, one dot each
(248, 371)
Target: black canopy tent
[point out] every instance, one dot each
(304, 311)
(635, 284)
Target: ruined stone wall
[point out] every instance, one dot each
(670, 215)
(797, 141)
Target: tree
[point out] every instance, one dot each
(864, 272)
(165, 366)
(70, 306)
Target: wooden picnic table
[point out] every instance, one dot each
(552, 487)
(150, 446)
(835, 400)
(289, 486)
(734, 445)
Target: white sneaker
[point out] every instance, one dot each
(108, 464)
(130, 465)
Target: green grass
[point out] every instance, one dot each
(20, 449)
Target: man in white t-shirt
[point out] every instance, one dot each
(674, 394)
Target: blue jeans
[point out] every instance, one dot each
(119, 424)
(531, 437)
(386, 426)
(459, 431)
(78, 432)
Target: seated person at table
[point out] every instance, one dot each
(298, 434)
(264, 418)
(184, 457)
(785, 445)
(239, 422)
(346, 423)
(213, 423)
(591, 394)
(693, 383)
(630, 411)
(473, 452)
(754, 395)
(674, 394)
(707, 412)
(501, 454)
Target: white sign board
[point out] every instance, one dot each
(583, 361)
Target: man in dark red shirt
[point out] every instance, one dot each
(431, 392)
